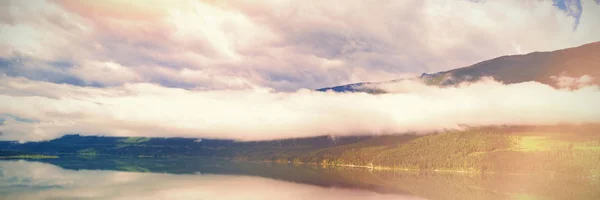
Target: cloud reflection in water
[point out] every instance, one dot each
(32, 180)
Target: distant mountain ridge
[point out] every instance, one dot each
(536, 66)
(134, 146)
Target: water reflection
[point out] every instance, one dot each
(33, 180)
(193, 178)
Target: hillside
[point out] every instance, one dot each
(536, 66)
(160, 147)
(573, 150)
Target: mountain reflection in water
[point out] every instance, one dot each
(191, 178)
(33, 180)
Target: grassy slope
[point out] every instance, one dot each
(471, 151)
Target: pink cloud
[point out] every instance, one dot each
(286, 44)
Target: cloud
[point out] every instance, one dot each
(108, 73)
(285, 45)
(115, 68)
(48, 181)
(143, 109)
(572, 82)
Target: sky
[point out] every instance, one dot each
(243, 69)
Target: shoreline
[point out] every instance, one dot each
(399, 169)
(313, 164)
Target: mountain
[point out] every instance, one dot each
(536, 66)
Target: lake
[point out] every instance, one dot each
(194, 178)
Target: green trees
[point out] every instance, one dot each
(467, 151)
(477, 150)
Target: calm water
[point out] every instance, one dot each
(192, 178)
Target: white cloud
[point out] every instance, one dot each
(235, 54)
(108, 73)
(41, 30)
(151, 110)
(572, 82)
